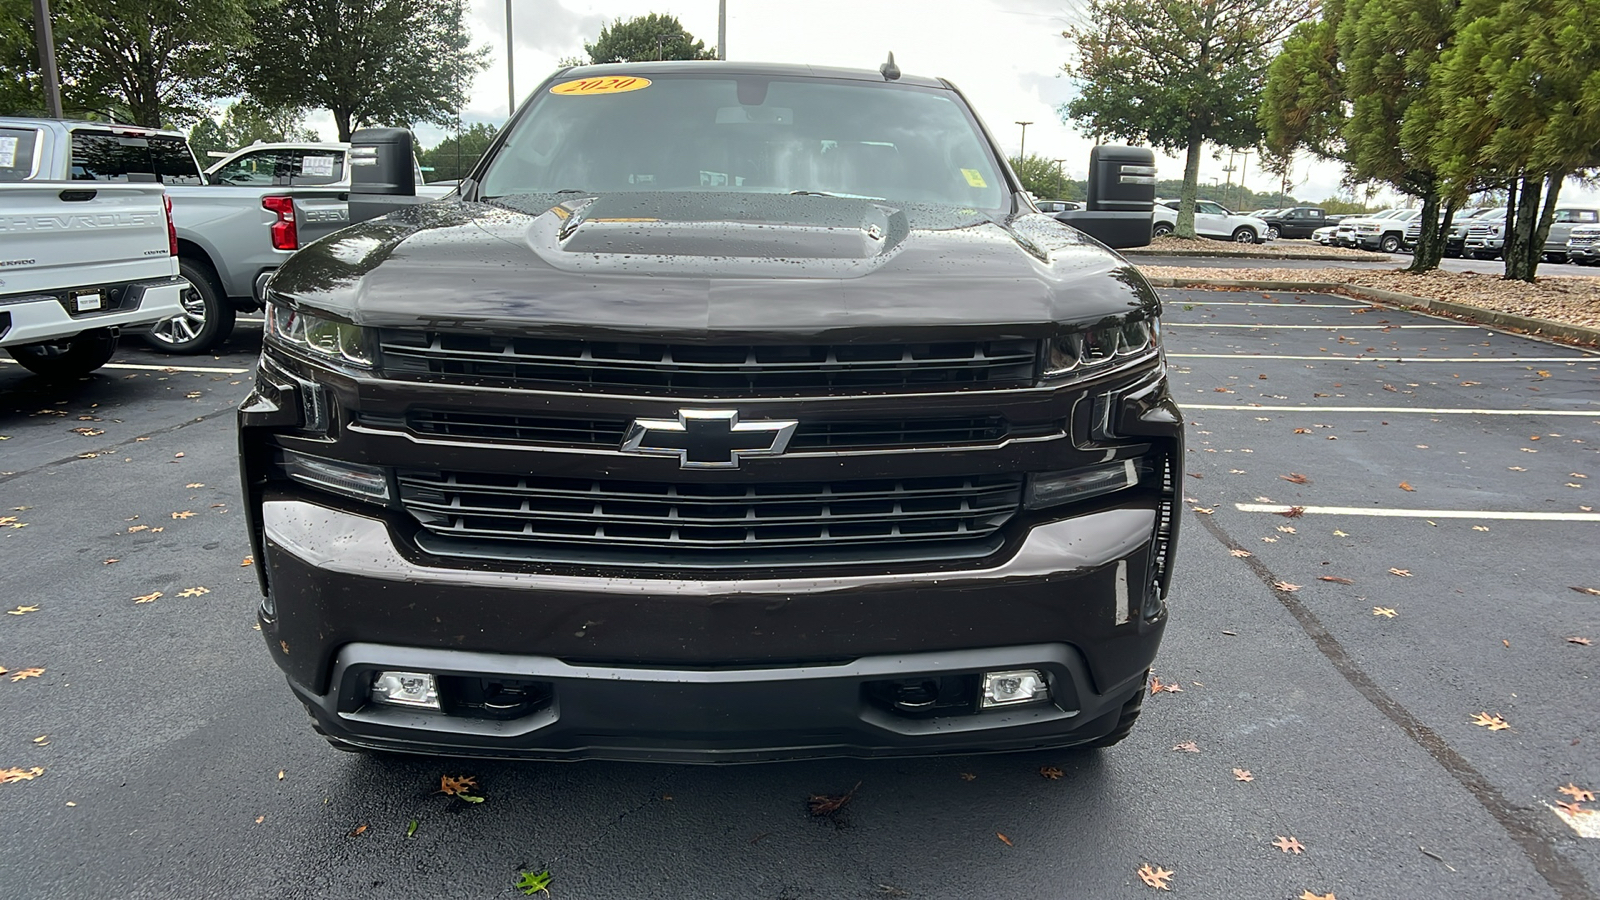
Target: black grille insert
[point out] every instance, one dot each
(709, 518)
(710, 370)
(889, 432)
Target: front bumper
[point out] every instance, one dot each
(710, 671)
(33, 318)
(1586, 254)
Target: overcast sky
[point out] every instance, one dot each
(1005, 55)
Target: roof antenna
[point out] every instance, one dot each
(889, 70)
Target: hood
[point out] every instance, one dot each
(692, 265)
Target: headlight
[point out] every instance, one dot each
(317, 336)
(1496, 230)
(1098, 349)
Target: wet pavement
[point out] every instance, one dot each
(176, 764)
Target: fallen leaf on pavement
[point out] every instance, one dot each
(1593, 592)
(1289, 845)
(359, 830)
(1338, 533)
(247, 561)
(1204, 510)
(1293, 512)
(23, 674)
(1243, 775)
(1403, 573)
(968, 776)
(1156, 878)
(1406, 487)
(22, 610)
(185, 514)
(453, 786)
(1386, 612)
(1493, 723)
(1302, 431)
(1581, 795)
(1051, 772)
(1187, 747)
(1335, 579)
(7, 776)
(149, 598)
(826, 806)
(194, 484)
(110, 561)
(194, 591)
(1004, 840)
(1241, 553)
(1310, 896)
(531, 883)
(1295, 478)
(1574, 809)
(1286, 587)
(1287, 529)
(1480, 528)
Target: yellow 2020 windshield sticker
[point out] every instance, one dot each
(611, 84)
(974, 178)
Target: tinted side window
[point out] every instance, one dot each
(103, 156)
(17, 149)
(1210, 208)
(259, 168)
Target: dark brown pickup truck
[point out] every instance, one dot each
(731, 412)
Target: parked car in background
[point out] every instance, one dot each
(80, 264)
(1326, 236)
(1458, 224)
(1561, 228)
(1583, 245)
(1211, 220)
(1382, 231)
(1055, 206)
(1485, 235)
(1296, 221)
(298, 164)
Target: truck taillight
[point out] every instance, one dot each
(172, 232)
(284, 235)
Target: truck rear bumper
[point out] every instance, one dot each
(44, 317)
(710, 671)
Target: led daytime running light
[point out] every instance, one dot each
(1095, 349)
(316, 336)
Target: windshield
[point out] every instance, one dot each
(751, 134)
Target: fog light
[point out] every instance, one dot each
(1018, 686)
(406, 689)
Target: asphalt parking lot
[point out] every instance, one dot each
(1441, 481)
(1378, 261)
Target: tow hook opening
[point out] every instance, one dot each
(925, 696)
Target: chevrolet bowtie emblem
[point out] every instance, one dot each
(708, 438)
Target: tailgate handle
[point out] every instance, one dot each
(77, 196)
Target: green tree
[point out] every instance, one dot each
(454, 156)
(153, 62)
(368, 62)
(645, 39)
(1042, 177)
(1522, 106)
(22, 87)
(246, 122)
(1177, 74)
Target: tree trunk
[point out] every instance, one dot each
(1541, 231)
(1425, 255)
(341, 119)
(1519, 235)
(1191, 185)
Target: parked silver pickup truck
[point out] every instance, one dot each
(301, 164)
(78, 265)
(230, 238)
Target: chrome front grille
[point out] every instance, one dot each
(608, 433)
(703, 370)
(704, 520)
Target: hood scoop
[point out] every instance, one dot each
(694, 234)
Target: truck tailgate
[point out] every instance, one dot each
(54, 234)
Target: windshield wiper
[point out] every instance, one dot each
(832, 194)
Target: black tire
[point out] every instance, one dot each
(1389, 243)
(72, 357)
(1555, 257)
(1272, 233)
(1244, 234)
(1125, 721)
(208, 316)
(1161, 229)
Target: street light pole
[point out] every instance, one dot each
(47, 57)
(1061, 182)
(511, 70)
(722, 29)
(1022, 153)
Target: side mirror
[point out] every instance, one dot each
(383, 175)
(1122, 196)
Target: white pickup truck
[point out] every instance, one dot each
(80, 263)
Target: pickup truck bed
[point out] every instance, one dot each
(78, 264)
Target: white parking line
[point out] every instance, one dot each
(130, 366)
(1387, 513)
(1394, 410)
(1322, 327)
(1395, 359)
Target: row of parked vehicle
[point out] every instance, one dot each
(1475, 233)
(1211, 220)
(113, 228)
